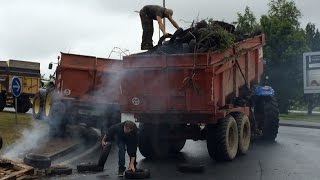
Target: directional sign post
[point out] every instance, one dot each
(16, 91)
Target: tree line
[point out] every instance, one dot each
(286, 41)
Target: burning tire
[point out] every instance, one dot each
(244, 132)
(37, 161)
(222, 139)
(37, 109)
(138, 174)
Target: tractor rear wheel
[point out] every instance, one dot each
(271, 119)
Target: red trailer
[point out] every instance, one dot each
(205, 96)
(86, 90)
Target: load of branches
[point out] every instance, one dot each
(203, 36)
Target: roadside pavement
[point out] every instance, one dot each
(303, 124)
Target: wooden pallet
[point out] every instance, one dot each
(11, 170)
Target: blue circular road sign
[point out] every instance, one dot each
(16, 87)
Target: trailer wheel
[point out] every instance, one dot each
(144, 140)
(47, 104)
(244, 132)
(177, 146)
(222, 139)
(2, 102)
(23, 105)
(271, 119)
(37, 109)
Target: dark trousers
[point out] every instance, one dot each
(147, 27)
(121, 153)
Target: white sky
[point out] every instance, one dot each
(37, 30)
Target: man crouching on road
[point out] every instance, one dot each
(125, 135)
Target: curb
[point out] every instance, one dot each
(300, 125)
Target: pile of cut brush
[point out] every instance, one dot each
(199, 38)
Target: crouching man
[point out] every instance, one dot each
(125, 134)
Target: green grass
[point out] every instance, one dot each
(300, 117)
(10, 131)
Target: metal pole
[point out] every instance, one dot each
(16, 102)
(164, 20)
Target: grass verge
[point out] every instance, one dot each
(300, 117)
(10, 131)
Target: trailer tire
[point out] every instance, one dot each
(88, 167)
(2, 102)
(271, 119)
(37, 109)
(244, 132)
(23, 105)
(37, 161)
(60, 170)
(144, 140)
(190, 168)
(138, 174)
(177, 146)
(222, 139)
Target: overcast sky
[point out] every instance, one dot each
(37, 30)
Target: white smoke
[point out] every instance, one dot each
(31, 138)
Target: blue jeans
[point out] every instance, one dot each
(122, 152)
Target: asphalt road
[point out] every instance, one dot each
(295, 155)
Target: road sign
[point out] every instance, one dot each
(16, 87)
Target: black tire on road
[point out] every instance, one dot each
(244, 131)
(37, 109)
(222, 139)
(271, 119)
(138, 174)
(88, 167)
(191, 168)
(60, 170)
(2, 102)
(37, 161)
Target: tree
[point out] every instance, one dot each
(246, 23)
(285, 44)
(313, 41)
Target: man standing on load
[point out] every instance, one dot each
(147, 15)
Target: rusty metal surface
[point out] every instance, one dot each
(190, 83)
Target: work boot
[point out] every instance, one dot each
(146, 46)
(121, 171)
